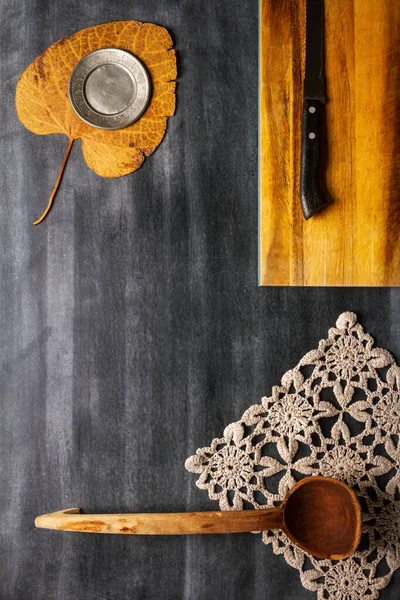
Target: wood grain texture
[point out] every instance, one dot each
(323, 517)
(355, 241)
(236, 521)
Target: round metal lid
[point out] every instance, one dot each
(109, 88)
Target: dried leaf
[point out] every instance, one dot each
(43, 106)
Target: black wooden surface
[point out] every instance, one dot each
(132, 327)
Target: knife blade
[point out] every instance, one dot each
(312, 197)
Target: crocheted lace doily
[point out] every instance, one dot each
(337, 413)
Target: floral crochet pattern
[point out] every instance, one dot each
(337, 413)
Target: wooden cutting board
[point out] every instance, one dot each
(356, 240)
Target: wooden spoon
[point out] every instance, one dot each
(319, 514)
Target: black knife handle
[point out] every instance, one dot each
(312, 197)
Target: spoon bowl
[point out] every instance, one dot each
(323, 517)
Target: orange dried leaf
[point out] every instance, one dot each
(43, 105)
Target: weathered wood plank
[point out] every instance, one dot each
(356, 240)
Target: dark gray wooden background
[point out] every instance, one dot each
(132, 327)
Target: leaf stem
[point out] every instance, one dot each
(55, 188)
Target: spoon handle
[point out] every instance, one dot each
(163, 523)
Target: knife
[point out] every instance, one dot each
(312, 197)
